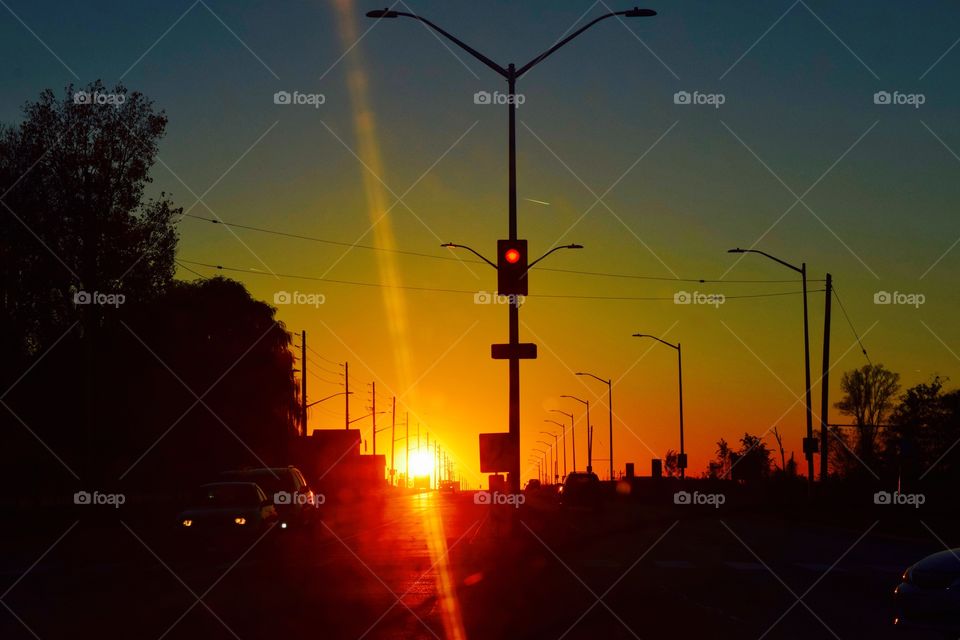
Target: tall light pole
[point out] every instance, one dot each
(573, 438)
(810, 445)
(543, 454)
(511, 74)
(550, 464)
(589, 436)
(609, 384)
(563, 433)
(556, 458)
(682, 458)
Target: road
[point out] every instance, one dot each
(433, 566)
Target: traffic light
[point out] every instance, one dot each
(512, 267)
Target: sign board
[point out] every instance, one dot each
(521, 351)
(681, 461)
(497, 452)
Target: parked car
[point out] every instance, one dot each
(222, 511)
(581, 490)
(297, 505)
(532, 485)
(928, 596)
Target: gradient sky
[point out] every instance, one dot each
(878, 184)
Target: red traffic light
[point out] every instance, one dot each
(511, 256)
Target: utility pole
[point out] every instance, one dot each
(393, 441)
(303, 384)
(428, 453)
(406, 464)
(825, 383)
(346, 396)
(374, 409)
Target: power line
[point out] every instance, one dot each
(322, 357)
(836, 295)
(441, 290)
(420, 254)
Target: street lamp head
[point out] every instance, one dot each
(642, 335)
(382, 13)
(639, 13)
(737, 250)
(448, 245)
(574, 246)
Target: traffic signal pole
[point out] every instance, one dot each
(513, 309)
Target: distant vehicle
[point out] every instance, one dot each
(297, 505)
(227, 509)
(581, 490)
(532, 485)
(928, 596)
(447, 486)
(421, 483)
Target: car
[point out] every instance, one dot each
(928, 596)
(447, 486)
(297, 505)
(581, 490)
(532, 485)
(227, 510)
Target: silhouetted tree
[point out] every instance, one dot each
(671, 463)
(868, 394)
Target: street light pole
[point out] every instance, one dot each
(682, 462)
(809, 445)
(556, 458)
(563, 433)
(573, 440)
(511, 74)
(589, 437)
(609, 384)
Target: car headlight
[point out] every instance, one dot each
(240, 521)
(187, 523)
(906, 575)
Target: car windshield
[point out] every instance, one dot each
(227, 495)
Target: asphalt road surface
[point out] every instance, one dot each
(441, 566)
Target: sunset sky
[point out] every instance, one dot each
(798, 161)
